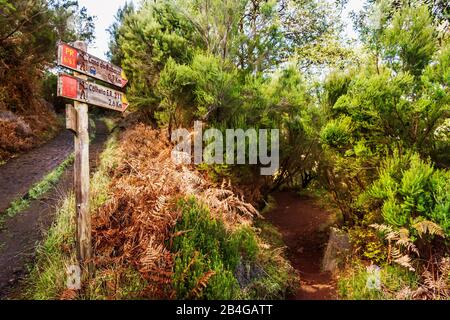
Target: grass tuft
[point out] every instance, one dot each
(48, 276)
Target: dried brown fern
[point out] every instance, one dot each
(400, 246)
(428, 228)
(436, 281)
(69, 294)
(201, 285)
(133, 228)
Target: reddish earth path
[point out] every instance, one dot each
(21, 233)
(303, 225)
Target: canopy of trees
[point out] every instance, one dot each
(29, 31)
(368, 123)
(365, 122)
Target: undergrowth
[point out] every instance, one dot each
(207, 254)
(394, 283)
(210, 249)
(48, 276)
(215, 263)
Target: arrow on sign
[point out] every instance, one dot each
(85, 63)
(91, 93)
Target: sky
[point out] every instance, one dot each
(352, 5)
(105, 10)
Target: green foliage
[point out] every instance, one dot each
(116, 31)
(256, 36)
(207, 254)
(260, 35)
(7, 5)
(239, 67)
(377, 15)
(206, 89)
(273, 31)
(277, 282)
(383, 110)
(48, 279)
(393, 105)
(337, 133)
(279, 279)
(287, 105)
(107, 284)
(393, 279)
(410, 40)
(399, 101)
(146, 41)
(335, 86)
(213, 262)
(216, 22)
(368, 244)
(229, 64)
(411, 190)
(243, 242)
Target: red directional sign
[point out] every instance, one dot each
(91, 93)
(85, 63)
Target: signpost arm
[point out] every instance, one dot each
(81, 181)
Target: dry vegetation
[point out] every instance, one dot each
(26, 119)
(29, 31)
(21, 132)
(133, 230)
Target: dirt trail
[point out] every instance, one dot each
(303, 226)
(19, 174)
(21, 233)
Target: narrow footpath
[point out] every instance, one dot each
(303, 226)
(19, 174)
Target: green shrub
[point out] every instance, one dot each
(410, 190)
(337, 133)
(269, 233)
(207, 254)
(207, 89)
(213, 262)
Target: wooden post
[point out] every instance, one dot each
(81, 181)
(71, 118)
(75, 57)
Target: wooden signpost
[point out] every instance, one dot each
(76, 59)
(84, 92)
(88, 92)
